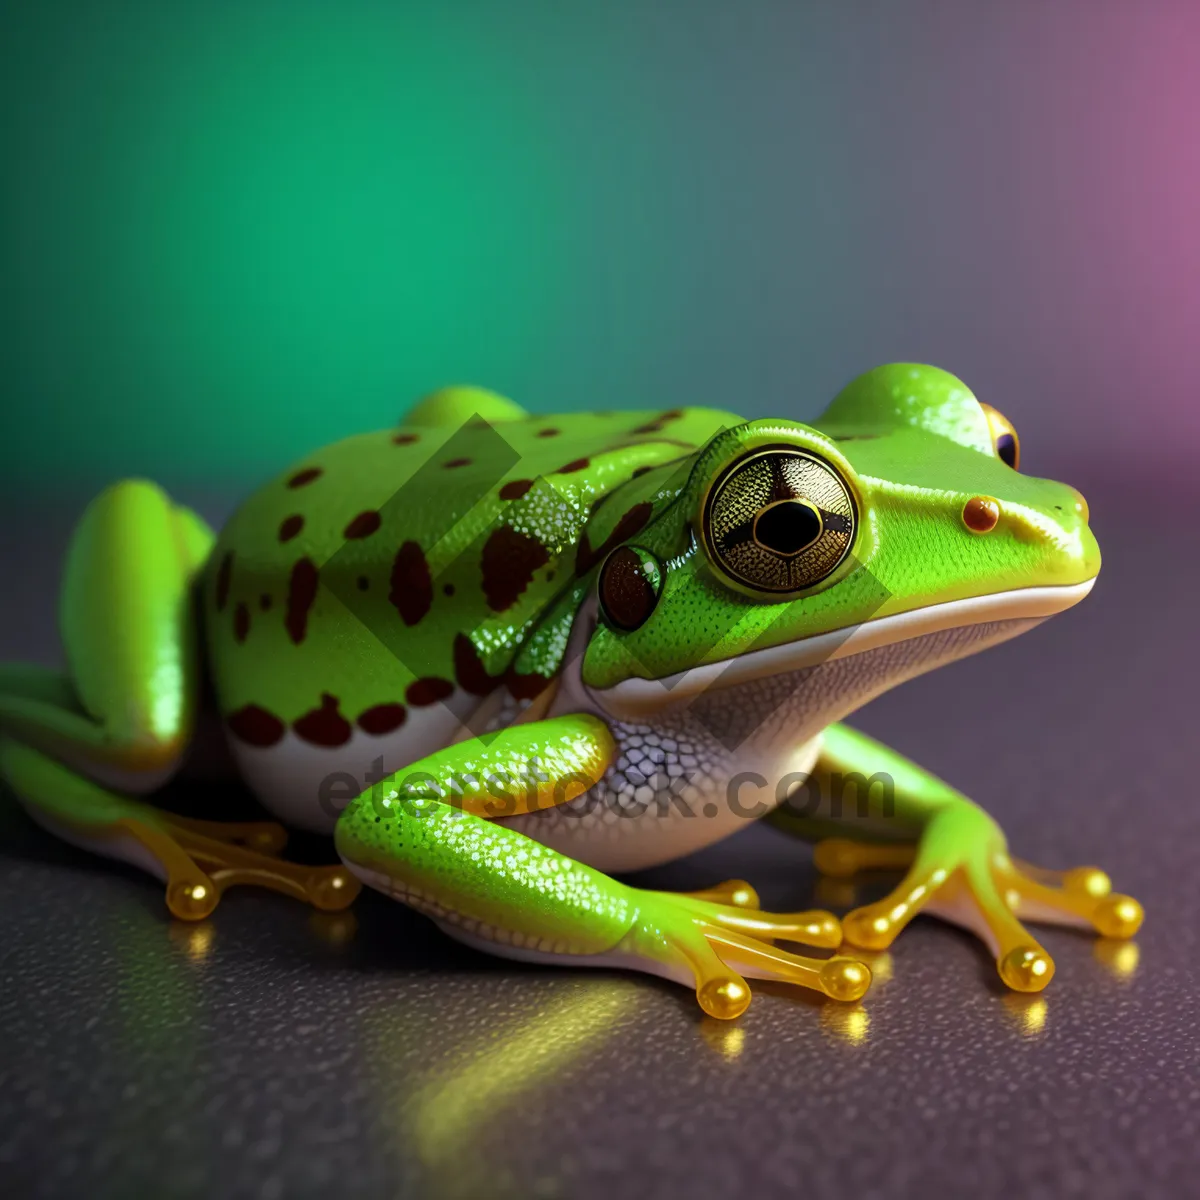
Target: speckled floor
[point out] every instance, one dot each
(272, 1052)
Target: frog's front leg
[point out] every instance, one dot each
(959, 867)
(126, 711)
(423, 837)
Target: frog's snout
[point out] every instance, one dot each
(1081, 505)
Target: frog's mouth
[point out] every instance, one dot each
(1023, 607)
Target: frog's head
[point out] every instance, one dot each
(901, 512)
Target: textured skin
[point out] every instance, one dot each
(445, 567)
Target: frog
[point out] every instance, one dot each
(508, 659)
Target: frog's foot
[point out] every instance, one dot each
(201, 863)
(717, 946)
(197, 860)
(961, 871)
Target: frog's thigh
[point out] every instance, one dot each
(125, 711)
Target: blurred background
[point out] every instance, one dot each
(234, 230)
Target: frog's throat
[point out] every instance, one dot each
(633, 698)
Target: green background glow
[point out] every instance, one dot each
(232, 231)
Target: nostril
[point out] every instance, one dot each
(980, 514)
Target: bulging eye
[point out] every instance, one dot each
(630, 582)
(779, 520)
(1004, 437)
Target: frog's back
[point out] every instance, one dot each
(362, 604)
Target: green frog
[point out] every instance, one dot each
(504, 658)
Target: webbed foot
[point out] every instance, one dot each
(721, 938)
(961, 871)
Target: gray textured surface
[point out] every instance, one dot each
(269, 1052)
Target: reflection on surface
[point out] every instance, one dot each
(194, 939)
(727, 1038)
(336, 929)
(1028, 1013)
(846, 1022)
(1119, 957)
(503, 1065)
(830, 892)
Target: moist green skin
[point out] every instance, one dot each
(447, 559)
(466, 550)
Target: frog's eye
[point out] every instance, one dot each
(630, 582)
(1004, 437)
(779, 520)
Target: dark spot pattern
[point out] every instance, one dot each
(448, 589)
(324, 726)
(469, 670)
(515, 489)
(241, 622)
(450, 464)
(550, 432)
(381, 719)
(302, 591)
(576, 464)
(586, 558)
(638, 473)
(265, 602)
(431, 689)
(290, 527)
(365, 524)
(656, 426)
(224, 578)
(509, 560)
(255, 726)
(411, 592)
(363, 583)
(526, 687)
(405, 439)
(305, 477)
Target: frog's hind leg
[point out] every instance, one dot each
(125, 712)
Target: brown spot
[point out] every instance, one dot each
(305, 477)
(302, 591)
(224, 577)
(264, 602)
(428, 691)
(526, 687)
(672, 414)
(255, 726)
(456, 462)
(448, 589)
(405, 439)
(637, 474)
(551, 432)
(412, 589)
(290, 527)
(586, 558)
(363, 583)
(324, 726)
(363, 525)
(469, 670)
(515, 489)
(651, 427)
(241, 622)
(509, 560)
(382, 718)
(576, 464)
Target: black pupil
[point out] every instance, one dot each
(1006, 448)
(627, 595)
(788, 527)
